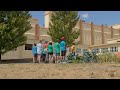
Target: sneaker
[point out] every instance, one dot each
(34, 61)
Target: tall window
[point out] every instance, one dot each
(84, 50)
(28, 46)
(114, 49)
(78, 50)
(96, 50)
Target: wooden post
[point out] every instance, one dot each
(119, 32)
(102, 33)
(81, 32)
(111, 32)
(0, 56)
(36, 32)
(92, 33)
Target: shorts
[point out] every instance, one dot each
(57, 54)
(35, 55)
(63, 53)
(44, 57)
(50, 53)
(73, 53)
(39, 52)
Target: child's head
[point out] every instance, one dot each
(40, 41)
(46, 42)
(50, 43)
(62, 38)
(34, 44)
(57, 40)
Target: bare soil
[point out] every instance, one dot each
(59, 71)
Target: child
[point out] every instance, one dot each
(57, 51)
(50, 51)
(44, 52)
(63, 48)
(73, 49)
(34, 52)
(39, 50)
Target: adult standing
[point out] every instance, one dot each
(39, 50)
(63, 48)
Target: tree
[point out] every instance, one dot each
(13, 25)
(62, 24)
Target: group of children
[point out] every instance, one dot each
(48, 51)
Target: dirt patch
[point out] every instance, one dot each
(59, 71)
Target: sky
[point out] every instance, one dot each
(97, 17)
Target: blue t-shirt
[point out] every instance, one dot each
(63, 45)
(34, 50)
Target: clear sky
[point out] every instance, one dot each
(97, 17)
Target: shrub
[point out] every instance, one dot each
(89, 56)
(74, 59)
(107, 57)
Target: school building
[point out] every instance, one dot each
(98, 37)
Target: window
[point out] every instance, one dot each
(78, 50)
(103, 50)
(28, 46)
(114, 49)
(84, 50)
(96, 50)
(111, 49)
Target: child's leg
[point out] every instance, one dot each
(33, 59)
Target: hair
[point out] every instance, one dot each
(62, 38)
(40, 41)
(50, 43)
(46, 42)
(34, 44)
(57, 40)
(73, 43)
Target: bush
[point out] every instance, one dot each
(74, 59)
(70, 57)
(107, 57)
(89, 56)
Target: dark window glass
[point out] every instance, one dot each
(28, 46)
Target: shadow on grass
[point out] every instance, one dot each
(16, 61)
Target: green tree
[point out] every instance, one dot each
(13, 25)
(62, 24)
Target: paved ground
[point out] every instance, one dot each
(10, 70)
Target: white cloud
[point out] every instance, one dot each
(85, 15)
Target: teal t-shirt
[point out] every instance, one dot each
(57, 47)
(44, 51)
(50, 48)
